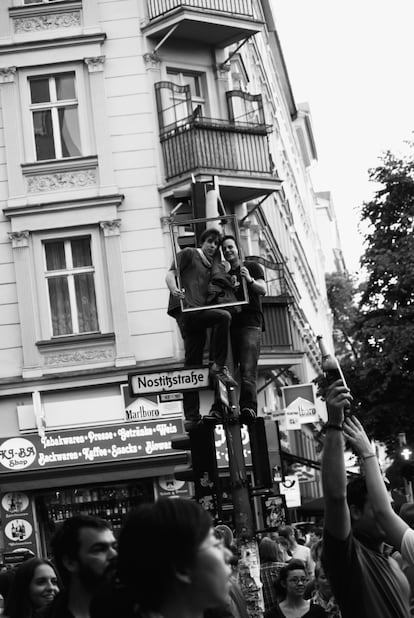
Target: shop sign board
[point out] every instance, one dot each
(142, 409)
(290, 488)
(195, 378)
(300, 405)
(81, 446)
(16, 509)
(170, 487)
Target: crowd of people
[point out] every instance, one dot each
(171, 562)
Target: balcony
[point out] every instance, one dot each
(277, 343)
(212, 22)
(238, 154)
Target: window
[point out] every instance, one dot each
(71, 286)
(195, 83)
(54, 109)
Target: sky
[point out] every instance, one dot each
(353, 62)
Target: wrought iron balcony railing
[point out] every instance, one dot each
(216, 146)
(239, 8)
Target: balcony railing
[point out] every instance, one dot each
(239, 8)
(279, 282)
(216, 146)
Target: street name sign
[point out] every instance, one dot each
(179, 380)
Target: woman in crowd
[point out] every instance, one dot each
(34, 586)
(291, 588)
(271, 562)
(322, 594)
(171, 562)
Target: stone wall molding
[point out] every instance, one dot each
(7, 75)
(51, 21)
(79, 357)
(95, 64)
(19, 239)
(61, 181)
(111, 228)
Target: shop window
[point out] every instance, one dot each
(55, 117)
(110, 502)
(70, 276)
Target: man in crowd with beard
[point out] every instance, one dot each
(84, 549)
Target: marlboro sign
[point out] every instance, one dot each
(300, 405)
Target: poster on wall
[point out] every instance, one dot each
(274, 511)
(290, 488)
(18, 522)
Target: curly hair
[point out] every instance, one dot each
(292, 565)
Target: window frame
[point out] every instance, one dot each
(69, 273)
(98, 265)
(82, 109)
(197, 100)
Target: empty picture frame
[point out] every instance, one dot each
(222, 294)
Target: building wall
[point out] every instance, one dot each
(115, 192)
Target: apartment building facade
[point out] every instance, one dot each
(110, 111)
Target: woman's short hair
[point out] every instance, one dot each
(157, 541)
(18, 603)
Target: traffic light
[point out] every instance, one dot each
(407, 470)
(260, 456)
(202, 469)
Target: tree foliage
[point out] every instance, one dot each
(383, 328)
(341, 292)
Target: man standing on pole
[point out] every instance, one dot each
(194, 268)
(246, 326)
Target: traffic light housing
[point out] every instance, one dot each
(202, 469)
(260, 455)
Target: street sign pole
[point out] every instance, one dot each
(166, 382)
(249, 565)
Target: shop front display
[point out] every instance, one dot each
(112, 503)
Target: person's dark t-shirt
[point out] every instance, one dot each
(251, 314)
(365, 583)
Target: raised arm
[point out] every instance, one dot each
(256, 281)
(337, 517)
(392, 524)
